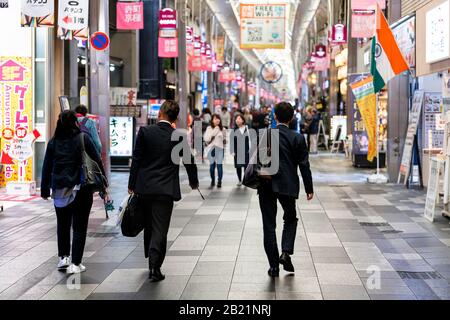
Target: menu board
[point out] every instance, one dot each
(437, 33)
(432, 121)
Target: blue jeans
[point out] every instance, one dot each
(215, 157)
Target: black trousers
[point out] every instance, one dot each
(268, 204)
(158, 213)
(75, 216)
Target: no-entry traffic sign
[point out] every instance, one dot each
(100, 41)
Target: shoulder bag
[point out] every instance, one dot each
(254, 172)
(91, 174)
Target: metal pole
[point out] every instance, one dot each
(378, 134)
(182, 65)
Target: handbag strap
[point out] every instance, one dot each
(83, 149)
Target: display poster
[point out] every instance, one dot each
(438, 33)
(363, 25)
(38, 13)
(119, 96)
(405, 36)
(433, 188)
(414, 118)
(130, 15)
(16, 119)
(364, 92)
(336, 122)
(432, 115)
(73, 19)
(121, 136)
(263, 26)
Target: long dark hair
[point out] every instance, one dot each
(67, 125)
(212, 121)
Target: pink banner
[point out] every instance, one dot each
(168, 47)
(368, 4)
(363, 25)
(130, 15)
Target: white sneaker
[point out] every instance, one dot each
(73, 269)
(64, 263)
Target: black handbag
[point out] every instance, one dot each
(133, 221)
(92, 175)
(255, 173)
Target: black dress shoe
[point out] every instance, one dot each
(286, 261)
(213, 184)
(219, 185)
(155, 275)
(274, 272)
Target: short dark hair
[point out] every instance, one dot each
(81, 109)
(239, 115)
(224, 109)
(171, 109)
(196, 112)
(284, 112)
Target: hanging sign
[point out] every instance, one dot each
(167, 18)
(16, 117)
(339, 34)
(364, 24)
(38, 13)
(168, 38)
(73, 19)
(100, 41)
(130, 15)
(368, 4)
(168, 47)
(263, 26)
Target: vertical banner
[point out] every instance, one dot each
(263, 26)
(364, 24)
(73, 19)
(38, 13)
(364, 92)
(130, 15)
(16, 119)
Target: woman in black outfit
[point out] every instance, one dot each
(240, 146)
(61, 173)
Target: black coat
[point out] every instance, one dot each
(152, 170)
(293, 155)
(62, 163)
(240, 146)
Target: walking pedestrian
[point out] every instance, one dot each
(61, 179)
(88, 126)
(240, 146)
(215, 139)
(285, 188)
(226, 118)
(314, 131)
(155, 179)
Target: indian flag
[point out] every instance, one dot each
(387, 59)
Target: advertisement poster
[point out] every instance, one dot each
(432, 113)
(130, 15)
(263, 26)
(38, 13)
(16, 119)
(414, 118)
(438, 33)
(368, 4)
(121, 135)
(405, 35)
(73, 19)
(364, 92)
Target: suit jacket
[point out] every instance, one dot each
(153, 171)
(293, 155)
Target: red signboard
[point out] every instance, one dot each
(130, 15)
(339, 34)
(167, 18)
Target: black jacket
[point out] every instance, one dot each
(293, 155)
(62, 163)
(152, 170)
(240, 146)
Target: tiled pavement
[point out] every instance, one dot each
(355, 241)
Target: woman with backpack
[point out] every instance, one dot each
(63, 181)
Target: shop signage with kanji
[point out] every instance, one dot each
(130, 15)
(168, 38)
(339, 34)
(73, 19)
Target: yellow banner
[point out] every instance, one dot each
(364, 92)
(16, 118)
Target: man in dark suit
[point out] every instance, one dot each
(285, 188)
(155, 179)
